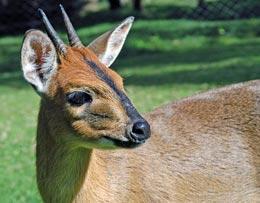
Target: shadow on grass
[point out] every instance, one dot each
(225, 75)
(154, 56)
(136, 58)
(201, 57)
(14, 80)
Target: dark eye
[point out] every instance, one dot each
(78, 98)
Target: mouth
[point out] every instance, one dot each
(125, 144)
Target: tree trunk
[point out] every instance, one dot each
(115, 4)
(137, 4)
(202, 4)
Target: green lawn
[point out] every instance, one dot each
(163, 60)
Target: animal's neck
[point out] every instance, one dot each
(61, 166)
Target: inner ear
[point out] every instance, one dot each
(38, 59)
(108, 46)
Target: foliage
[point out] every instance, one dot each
(17, 16)
(21, 15)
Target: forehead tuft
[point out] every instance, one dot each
(80, 66)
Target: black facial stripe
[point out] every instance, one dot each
(100, 73)
(128, 106)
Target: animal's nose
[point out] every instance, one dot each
(140, 131)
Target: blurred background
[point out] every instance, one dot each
(175, 48)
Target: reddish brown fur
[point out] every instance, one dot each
(205, 148)
(74, 73)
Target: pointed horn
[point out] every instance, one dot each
(56, 40)
(72, 35)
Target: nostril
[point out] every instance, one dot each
(138, 128)
(140, 131)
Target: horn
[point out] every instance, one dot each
(56, 40)
(72, 35)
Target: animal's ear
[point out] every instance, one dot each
(39, 59)
(108, 46)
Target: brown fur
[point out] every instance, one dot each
(73, 73)
(203, 148)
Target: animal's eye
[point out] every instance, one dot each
(78, 98)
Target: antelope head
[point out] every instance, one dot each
(82, 99)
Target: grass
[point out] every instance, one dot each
(163, 60)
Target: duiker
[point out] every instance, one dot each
(205, 148)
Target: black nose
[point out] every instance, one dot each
(140, 131)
